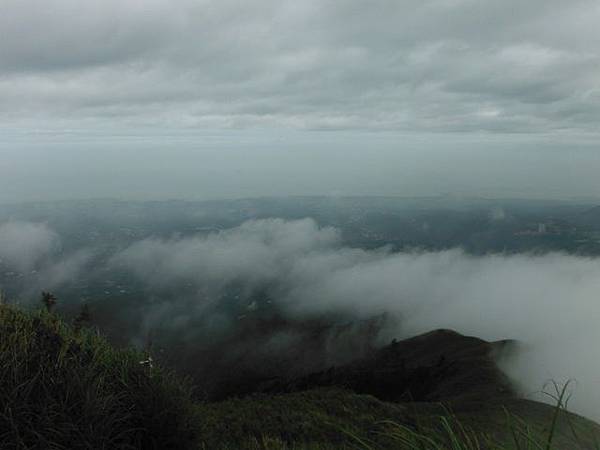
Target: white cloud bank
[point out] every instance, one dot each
(35, 249)
(550, 303)
(23, 244)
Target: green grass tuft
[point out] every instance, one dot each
(67, 389)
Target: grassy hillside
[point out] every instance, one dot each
(64, 387)
(320, 418)
(67, 389)
(324, 419)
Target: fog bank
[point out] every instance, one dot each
(548, 302)
(196, 287)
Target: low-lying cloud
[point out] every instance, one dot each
(548, 302)
(199, 288)
(23, 244)
(34, 250)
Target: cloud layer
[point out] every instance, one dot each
(439, 65)
(549, 303)
(23, 245)
(35, 250)
(198, 289)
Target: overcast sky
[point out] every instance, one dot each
(236, 98)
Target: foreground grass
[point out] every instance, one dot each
(63, 387)
(321, 418)
(324, 419)
(67, 389)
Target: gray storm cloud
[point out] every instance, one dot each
(501, 66)
(166, 99)
(549, 303)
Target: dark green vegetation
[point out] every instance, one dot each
(337, 419)
(438, 390)
(67, 389)
(64, 387)
(320, 418)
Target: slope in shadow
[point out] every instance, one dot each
(440, 366)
